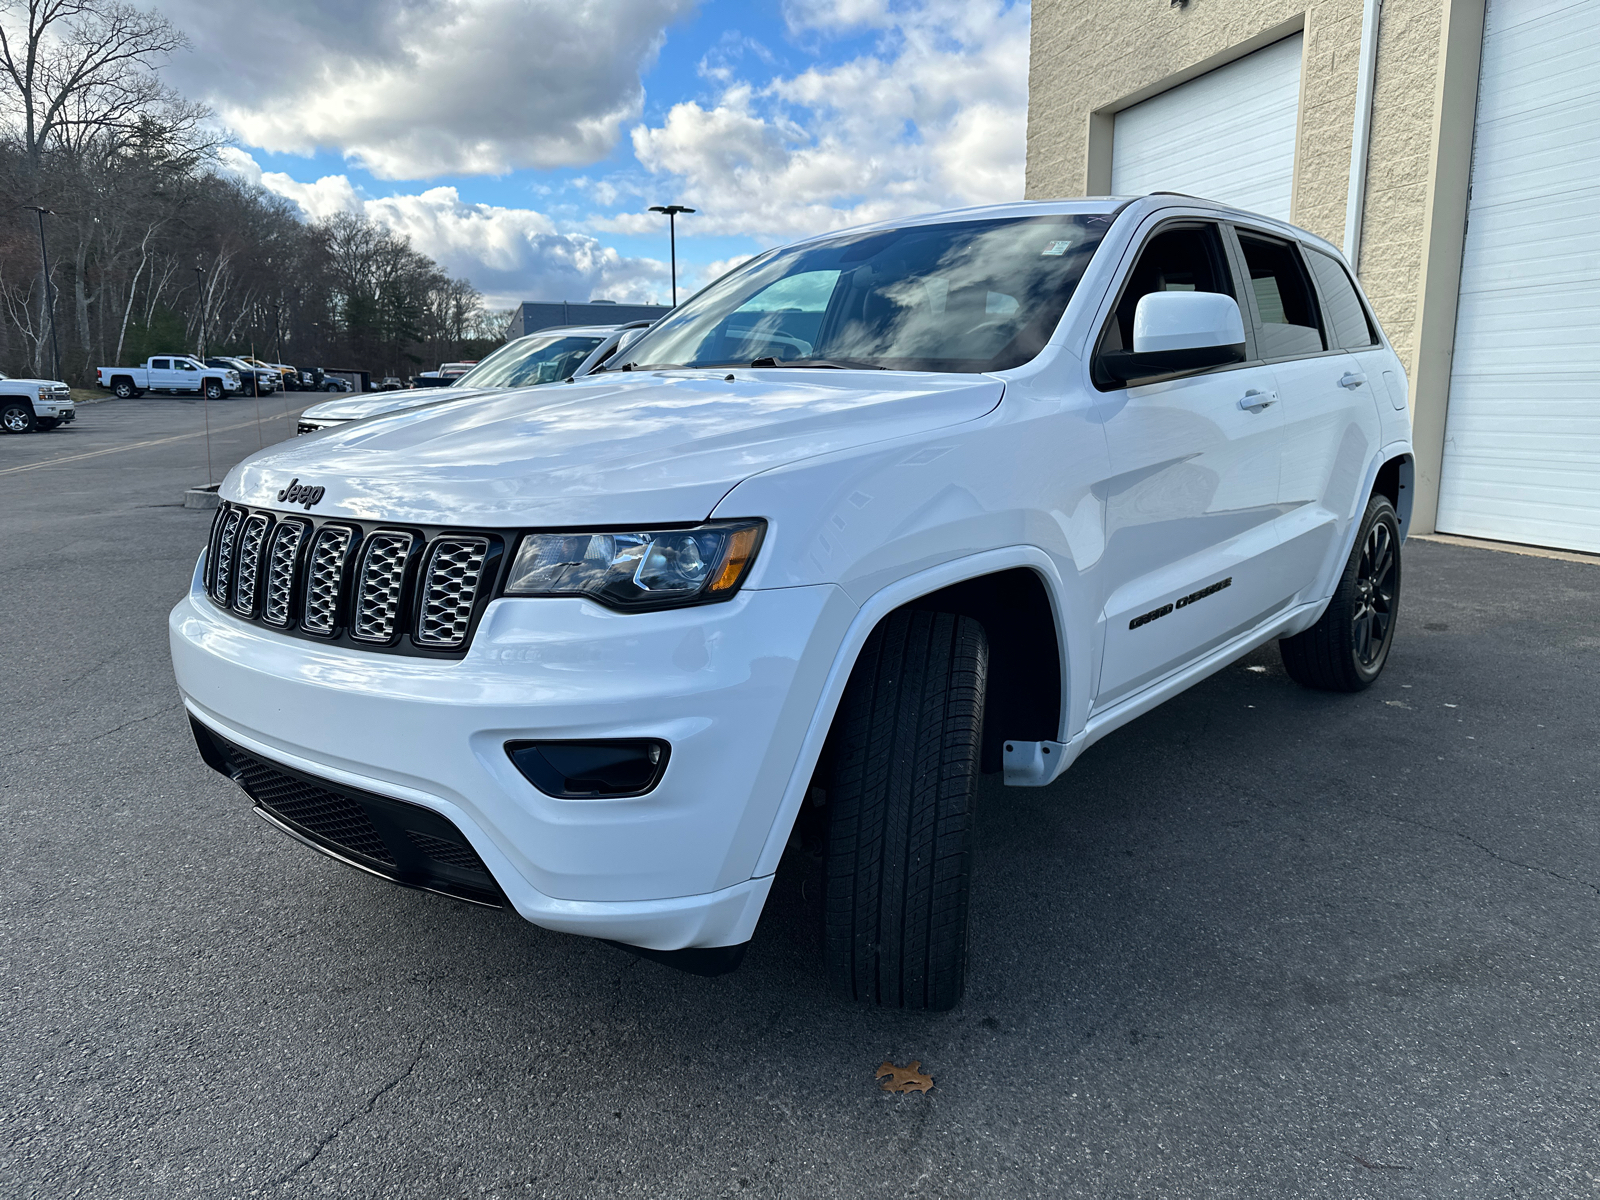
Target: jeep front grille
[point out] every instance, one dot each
(449, 586)
(281, 564)
(326, 578)
(408, 591)
(379, 583)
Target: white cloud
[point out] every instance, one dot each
(510, 254)
(418, 88)
(934, 118)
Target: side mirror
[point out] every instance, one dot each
(1179, 331)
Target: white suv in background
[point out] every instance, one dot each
(548, 356)
(870, 516)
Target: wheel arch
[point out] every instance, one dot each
(974, 584)
(1396, 479)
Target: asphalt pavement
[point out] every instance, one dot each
(1263, 942)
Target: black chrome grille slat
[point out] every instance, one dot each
(416, 591)
(284, 556)
(379, 584)
(325, 579)
(449, 590)
(251, 541)
(222, 575)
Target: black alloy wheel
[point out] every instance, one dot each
(16, 416)
(1346, 649)
(1377, 589)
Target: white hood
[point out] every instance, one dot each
(613, 449)
(357, 407)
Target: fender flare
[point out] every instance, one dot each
(872, 611)
(1325, 582)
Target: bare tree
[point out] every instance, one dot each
(85, 69)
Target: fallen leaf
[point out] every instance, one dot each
(904, 1079)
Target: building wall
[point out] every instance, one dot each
(1091, 58)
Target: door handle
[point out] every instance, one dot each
(1352, 379)
(1255, 401)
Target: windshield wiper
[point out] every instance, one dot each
(833, 364)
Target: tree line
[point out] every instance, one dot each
(152, 248)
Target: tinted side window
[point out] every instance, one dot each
(1188, 259)
(160, 364)
(1347, 320)
(1286, 311)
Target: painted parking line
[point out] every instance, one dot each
(177, 437)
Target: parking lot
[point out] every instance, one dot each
(1263, 942)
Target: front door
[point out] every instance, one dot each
(1191, 545)
(185, 375)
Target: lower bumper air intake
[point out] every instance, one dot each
(403, 843)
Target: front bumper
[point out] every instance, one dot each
(731, 686)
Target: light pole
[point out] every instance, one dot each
(49, 292)
(672, 211)
(200, 299)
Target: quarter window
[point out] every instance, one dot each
(1286, 314)
(1347, 319)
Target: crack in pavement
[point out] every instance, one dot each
(86, 741)
(1472, 841)
(327, 1139)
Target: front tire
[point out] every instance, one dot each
(16, 416)
(213, 390)
(900, 798)
(1346, 650)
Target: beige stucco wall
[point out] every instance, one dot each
(1098, 56)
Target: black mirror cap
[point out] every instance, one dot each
(1124, 366)
(602, 769)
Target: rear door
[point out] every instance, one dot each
(1331, 424)
(1191, 546)
(160, 374)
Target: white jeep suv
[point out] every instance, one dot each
(871, 516)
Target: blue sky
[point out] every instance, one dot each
(519, 142)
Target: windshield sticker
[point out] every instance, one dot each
(1055, 249)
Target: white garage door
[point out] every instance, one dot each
(1228, 135)
(1522, 435)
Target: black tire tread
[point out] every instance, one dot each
(905, 770)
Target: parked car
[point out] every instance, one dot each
(175, 373)
(870, 516)
(291, 376)
(391, 383)
(544, 357)
(29, 404)
(447, 374)
(252, 380)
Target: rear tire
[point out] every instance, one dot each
(123, 389)
(16, 416)
(1346, 649)
(900, 799)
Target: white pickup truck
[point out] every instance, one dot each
(169, 373)
(29, 404)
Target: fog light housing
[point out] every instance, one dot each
(602, 769)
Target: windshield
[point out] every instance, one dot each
(538, 358)
(959, 296)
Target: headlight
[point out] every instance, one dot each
(637, 570)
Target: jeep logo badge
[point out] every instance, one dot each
(300, 493)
